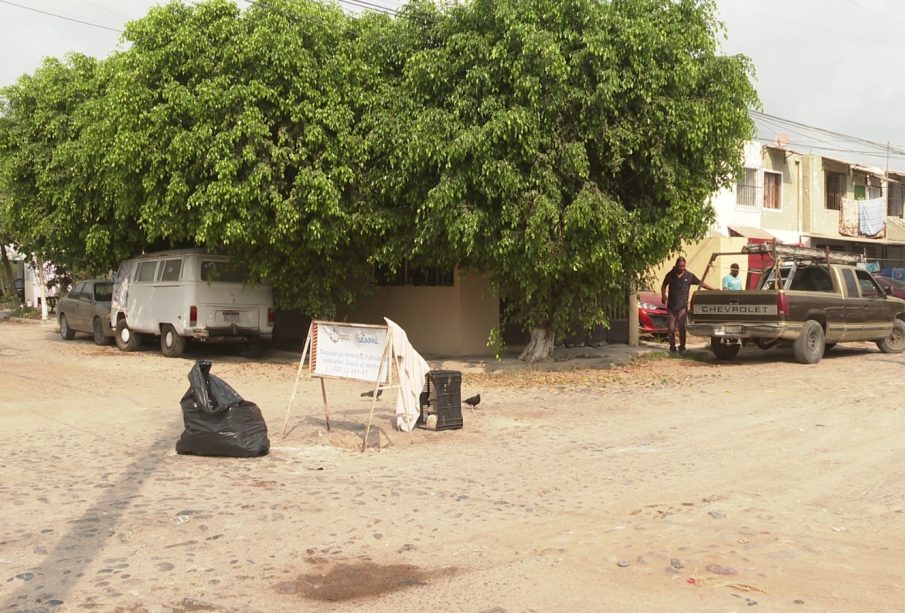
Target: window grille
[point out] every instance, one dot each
(746, 189)
(894, 204)
(834, 190)
(407, 274)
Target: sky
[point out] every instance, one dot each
(829, 64)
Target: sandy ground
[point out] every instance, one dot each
(664, 485)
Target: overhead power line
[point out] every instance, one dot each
(87, 23)
(837, 136)
(810, 26)
(793, 144)
(359, 4)
(104, 8)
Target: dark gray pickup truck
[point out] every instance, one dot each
(810, 298)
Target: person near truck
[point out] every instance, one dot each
(674, 293)
(731, 281)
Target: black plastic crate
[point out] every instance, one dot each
(441, 400)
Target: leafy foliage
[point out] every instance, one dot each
(560, 146)
(235, 132)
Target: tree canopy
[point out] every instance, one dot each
(561, 147)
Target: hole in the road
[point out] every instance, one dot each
(359, 580)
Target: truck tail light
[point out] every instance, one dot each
(193, 315)
(782, 304)
(270, 316)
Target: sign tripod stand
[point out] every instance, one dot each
(381, 379)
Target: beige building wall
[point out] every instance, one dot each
(439, 321)
(697, 256)
(788, 165)
(818, 218)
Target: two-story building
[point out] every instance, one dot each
(806, 186)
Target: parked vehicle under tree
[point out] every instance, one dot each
(86, 308)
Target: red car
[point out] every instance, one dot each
(652, 318)
(892, 287)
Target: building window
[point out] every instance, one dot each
(772, 190)
(867, 187)
(746, 189)
(835, 190)
(874, 188)
(407, 274)
(896, 197)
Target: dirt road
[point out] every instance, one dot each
(668, 485)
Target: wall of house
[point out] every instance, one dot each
(439, 321)
(784, 223)
(697, 256)
(724, 202)
(787, 218)
(818, 218)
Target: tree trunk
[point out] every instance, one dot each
(9, 281)
(540, 347)
(42, 287)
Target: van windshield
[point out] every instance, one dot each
(222, 272)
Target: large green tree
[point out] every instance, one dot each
(53, 203)
(561, 146)
(235, 131)
(218, 127)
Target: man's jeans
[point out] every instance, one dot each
(677, 319)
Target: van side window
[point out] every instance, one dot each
(222, 272)
(146, 271)
(170, 270)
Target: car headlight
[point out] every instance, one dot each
(649, 306)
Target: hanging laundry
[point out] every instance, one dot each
(849, 214)
(873, 217)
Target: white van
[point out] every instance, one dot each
(188, 294)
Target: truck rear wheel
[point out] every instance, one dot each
(724, 351)
(895, 342)
(809, 346)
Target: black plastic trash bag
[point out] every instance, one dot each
(218, 422)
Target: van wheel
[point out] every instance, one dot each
(724, 351)
(171, 344)
(65, 331)
(895, 342)
(100, 338)
(808, 348)
(126, 340)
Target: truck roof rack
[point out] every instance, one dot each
(790, 252)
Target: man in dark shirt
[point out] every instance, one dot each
(678, 281)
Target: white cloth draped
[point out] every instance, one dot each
(412, 369)
(873, 217)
